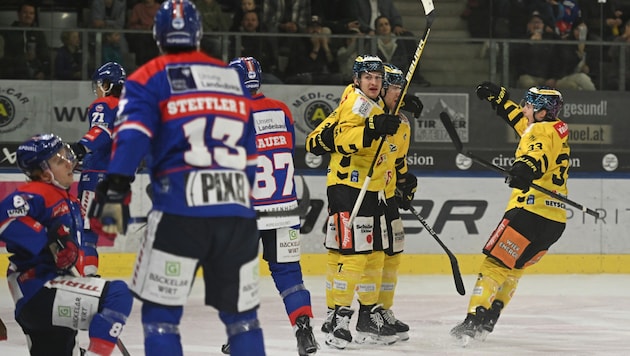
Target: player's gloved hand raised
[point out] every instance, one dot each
(380, 125)
(109, 212)
(406, 187)
(522, 173)
(495, 94)
(413, 104)
(62, 245)
(79, 150)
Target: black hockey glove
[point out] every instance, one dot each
(495, 94)
(380, 125)
(325, 141)
(63, 247)
(109, 212)
(523, 171)
(79, 150)
(413, 104)
(406, 190)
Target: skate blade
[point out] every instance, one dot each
(403, 336)
(368, 338)
(465, 340)
(481, 336)
(335, 342)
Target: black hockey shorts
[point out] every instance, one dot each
(222, 245)
(36, 322)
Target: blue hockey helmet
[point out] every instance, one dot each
(367, 63)
(393, 76)
(249, 70)
(109, 75)
(34, 153)
(177, 24)
(544, 97)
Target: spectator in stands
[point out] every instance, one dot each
(246, 6)
(574, 72)
(285, 16)
(396, 51)
(313, 61)
(111, 51)
(110, 14)
(347, 53)
(534, 61)
(614, 13)
(338, 15)
(369, 10)
(565, 13)
(69, 59)
(487, 18)
(613, 79)
(213, 20)
(258, 47)
(141, 18)
(26, 52)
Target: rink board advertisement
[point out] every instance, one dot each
(463, 201)
(597, 121)
(463, 211)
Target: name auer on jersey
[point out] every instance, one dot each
(271, 141)
(214, 187)
(204, 104)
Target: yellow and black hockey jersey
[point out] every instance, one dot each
(547, 143)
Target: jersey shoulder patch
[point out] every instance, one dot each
(561, 128)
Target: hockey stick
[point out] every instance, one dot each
(54, 249)
(429, 12)
(459, 147)
(457, 275)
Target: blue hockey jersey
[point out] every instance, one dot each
(275, 139)
(98, 139)
(192, 115)
(25, 216)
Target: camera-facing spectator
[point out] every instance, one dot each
(69, 59)
(575, 70)
(26, 52)
(312, 60)
(141, 18)
(532, 60)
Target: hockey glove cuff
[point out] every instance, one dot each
(413, 104)
(405, 190)
(109, 212)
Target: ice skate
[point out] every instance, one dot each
(306, 343)
(225, 348)
(326, 326)
(490, 319)
(340, 335)
(372, 328)
(402, 329)
(470, 328)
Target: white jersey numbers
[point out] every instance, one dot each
(225, 130)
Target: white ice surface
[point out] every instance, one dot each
(550, 315)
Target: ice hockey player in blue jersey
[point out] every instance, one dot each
(192, 114)
(41, 224)
(274, 190)
(95, 147)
